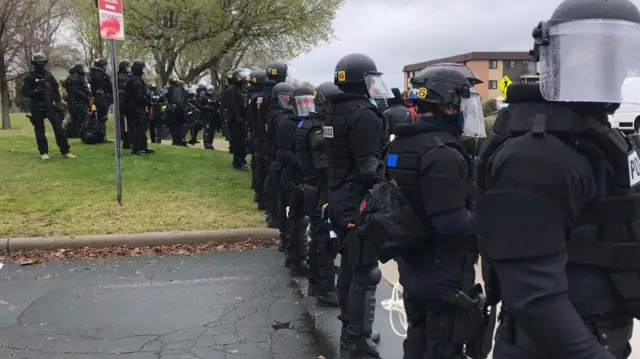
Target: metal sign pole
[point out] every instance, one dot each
(116, 119)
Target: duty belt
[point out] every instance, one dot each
(611, 339)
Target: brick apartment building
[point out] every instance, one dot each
(491, 67)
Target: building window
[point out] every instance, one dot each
(493, 64)
(512, 64)
(493, 84)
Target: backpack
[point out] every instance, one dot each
(387, 220)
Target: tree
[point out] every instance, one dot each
(194, 37)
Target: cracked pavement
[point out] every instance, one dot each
(220, 305)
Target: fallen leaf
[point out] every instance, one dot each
(30, 261)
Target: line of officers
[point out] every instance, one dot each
(550, 201)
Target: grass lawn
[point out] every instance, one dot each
(174, 189)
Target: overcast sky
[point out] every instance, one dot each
(395, 33)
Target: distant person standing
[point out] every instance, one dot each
(42, 88)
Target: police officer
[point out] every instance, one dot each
(276, 73)
(287, 168)
(79, 95)
(233, 99)
(258, 135)
(556, 244)
(42, 88)
(176, 98)
(124, 74)
(157, 112)
(102, 92)
(209, 112)
(137, 103)
(432, 171)
(355, 136)
(312, 154)
(397, 112)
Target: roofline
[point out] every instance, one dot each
(470, 56)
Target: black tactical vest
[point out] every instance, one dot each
(270, 131)
(336, 133)
(305, 128)
(607, 234)
(286, 126)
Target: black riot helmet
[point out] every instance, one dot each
(72, 70)
(173, 80)
(322, 94)
(240, 76)
(124, 65)
(39, 60)
(596, 37)
(358, 73)
(137, 67)
(258, 78)
(78, 68)
(100, 63)
(282, 92)
(277, 71)
(229, 76)
(439, 86)
(302, 101)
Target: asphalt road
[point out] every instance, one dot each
(213, 306)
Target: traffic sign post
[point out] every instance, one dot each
(503, 84)
(112, 28)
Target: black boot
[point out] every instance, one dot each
(362, 306)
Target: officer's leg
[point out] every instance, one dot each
(81, 115)
(71, 124)
(58, 131)
(260, 180)
(283, 223)
(207, 135)
(312, 257)
(345, 277)
(415, 343)
(137, 133)
(125, 129)
(298, 222)
(272, 202)
(362, 297)
(327, 251)
(194, 134)
(153, 130)
(37, 120)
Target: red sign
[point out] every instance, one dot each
(110, 5)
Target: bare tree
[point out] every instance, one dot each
(24, 24)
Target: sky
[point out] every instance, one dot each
(395, 33)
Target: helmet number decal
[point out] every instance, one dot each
(274, 71)
(342, 76)
(315, 93)
(422, 92)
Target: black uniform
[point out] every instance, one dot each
(354, 134)
(157, 114)
(102, 92)
(79, 95)
(208, 106)
(136, 110)
(42, 88)
(177, 99)
(125, 128)
(258, 136)
(286, 164)
(234, 101)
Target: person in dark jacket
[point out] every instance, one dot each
(42, 89)
(124, 74)
(396, 113)
(79, 96)
(102, 92)
(136, 107)
(234, 103)
(177, 101)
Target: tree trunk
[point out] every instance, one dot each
(213, 72)
(4, 95)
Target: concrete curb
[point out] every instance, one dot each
(9, 245)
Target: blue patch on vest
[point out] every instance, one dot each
(300, 124)
(392, 161)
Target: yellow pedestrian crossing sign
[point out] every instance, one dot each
(503, 84)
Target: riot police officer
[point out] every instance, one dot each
(124, 74)
(354, 133)
(177, 99)
(233, 99)
(42, 88)
(137, 103)
(556, 244)
(209, 113)
(432, 171)
(286, 167)
(157, 113)
(312, 154)
(258, 135)
(276, 73)
(396, 113)
(79, 96)
(102, 92)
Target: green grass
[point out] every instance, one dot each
(174, 189)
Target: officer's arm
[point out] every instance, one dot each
(443, 179)
(365, 133)
(527, 213)
(77, 87)
(109, 87)
(28, 87)
(55, 89)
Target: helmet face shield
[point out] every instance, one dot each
(284, 100)
(471, 109)
(377, 87)
(303, 105)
